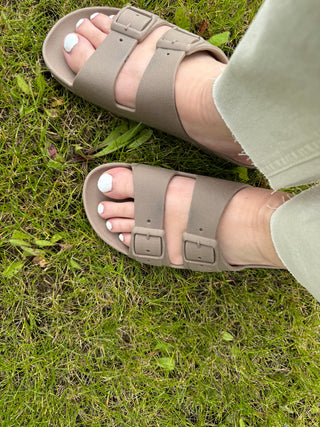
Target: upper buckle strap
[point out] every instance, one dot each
(198, 249)
(148, 243)
(179, 39)
(133, 22)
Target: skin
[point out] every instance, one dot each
(244, 228)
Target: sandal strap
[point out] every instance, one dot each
(96, 79)
(200, 248)
(148, 243)
(155, 101)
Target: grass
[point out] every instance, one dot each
(91, 338)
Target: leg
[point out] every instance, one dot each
(272, 81)
(269, 95)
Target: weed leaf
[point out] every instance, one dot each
(20, 236)
(219, 39)
(242, 173)
(167, 363)
(13, 269)
(54, 165)
(145, 135)
(23, 85)
(119, 142)
(18, 242)
(43, 243)
(27, 251)
(226, 336)
(57, 237)
(235, 351)
(181, 19)
(74, 264)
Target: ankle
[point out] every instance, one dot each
(244, 231)
(197, 110)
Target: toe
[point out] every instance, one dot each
(77, 50)
(109, 210)
(87, 29)
(101, 21)
(120, 225)
(117, 183)
(125, 238)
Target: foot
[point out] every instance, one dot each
(244, 228)
(193, 86)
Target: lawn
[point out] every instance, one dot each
(89, 337)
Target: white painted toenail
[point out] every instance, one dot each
(121, 238)
(70, 41)
(100, 208)
(79, 22)
(111, 16)
(94, 15)
(109, 225)
(105, 183)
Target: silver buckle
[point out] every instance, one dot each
(127, 30)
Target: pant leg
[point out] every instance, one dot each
(295, 230)
(269, 94)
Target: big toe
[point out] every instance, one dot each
(117, 183)
(90, 33)
(77, 50)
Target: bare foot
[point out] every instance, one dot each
(244, 228)
(193, 86)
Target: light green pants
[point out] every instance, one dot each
(269, 96)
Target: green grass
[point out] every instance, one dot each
(91, 338)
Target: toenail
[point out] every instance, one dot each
(100, 208)
(111, 16)
(70, 41)
(105, 183)
(79, 22)
(94, 15)
(121, 238)
(109, 225)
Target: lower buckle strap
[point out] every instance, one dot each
(148, 243)
(198, 249)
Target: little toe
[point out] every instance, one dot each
(92, 33)
(120, 225)
(117, 183)
(77, 50)
(101, 21)
(125, 238)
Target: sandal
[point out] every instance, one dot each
(200, 247)
(155, 101)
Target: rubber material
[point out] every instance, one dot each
(200, 247)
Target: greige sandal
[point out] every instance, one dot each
(155, 101)
(200, 248)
